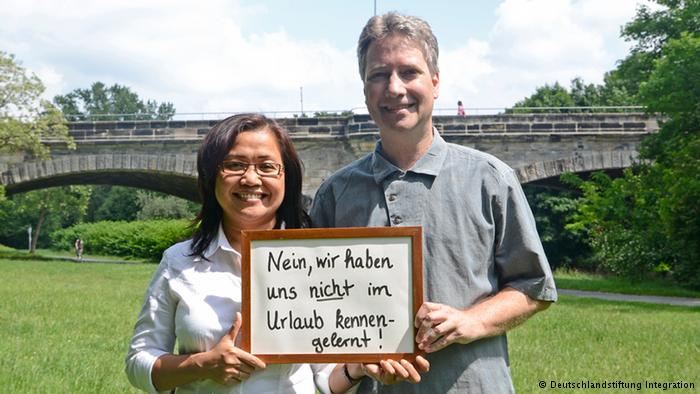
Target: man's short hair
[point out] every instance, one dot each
(413, 28)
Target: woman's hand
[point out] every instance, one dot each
(228, 365)
(392, 371)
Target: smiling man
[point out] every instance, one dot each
(484, 267)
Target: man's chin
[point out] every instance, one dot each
(401, 126)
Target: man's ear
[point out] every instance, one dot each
(436, 84)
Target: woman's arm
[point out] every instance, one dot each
(225, 364)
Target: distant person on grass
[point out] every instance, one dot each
(249, 178)
(79, 246)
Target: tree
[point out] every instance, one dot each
(580, 94)
(673, 87)
(113, 203)
(553, 210)
(158, 206)
(649, 220)
(26, 120)
(48, 209)
(651, 30)
(104, 103)
(547, 96)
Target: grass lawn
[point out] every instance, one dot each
(65, 328)
(582, 339)
(578, 280)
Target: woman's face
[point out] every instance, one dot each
(250, 200)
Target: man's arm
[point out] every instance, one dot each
(440, 325)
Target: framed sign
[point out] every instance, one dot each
(331, 294)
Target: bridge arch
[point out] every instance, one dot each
(177, 174)
(171, 174)
(608, 161)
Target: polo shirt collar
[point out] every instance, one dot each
(430, 163)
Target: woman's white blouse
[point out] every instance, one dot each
(194, 301)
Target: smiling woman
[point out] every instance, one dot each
(249, 178)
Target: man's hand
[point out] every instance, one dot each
(441, 325)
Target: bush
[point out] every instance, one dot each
(142, 239)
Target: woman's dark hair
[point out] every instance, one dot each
(216, 145)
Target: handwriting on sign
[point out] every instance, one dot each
(332, 296)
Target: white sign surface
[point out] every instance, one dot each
(331, 296)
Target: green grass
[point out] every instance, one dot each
(65, 328)
(579, 339)
(578, 280)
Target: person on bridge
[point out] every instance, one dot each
(460, 109)
(249, 177)
(485, 270)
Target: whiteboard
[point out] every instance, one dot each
(328, 295)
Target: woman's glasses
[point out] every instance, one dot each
(240, 168)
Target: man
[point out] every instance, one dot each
(484, 268)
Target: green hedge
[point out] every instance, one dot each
(142, 239)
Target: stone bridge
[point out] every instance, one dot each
(161, 155)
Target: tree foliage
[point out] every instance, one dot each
(650, 31)
(25, 118)
(156, 206)
(673, 88)
(553, 209)
(113, 203)
(116, 102)
(45, 210)
(580, 94)
(648, 221)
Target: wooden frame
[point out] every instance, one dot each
(386, 239)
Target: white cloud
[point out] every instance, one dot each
(207, 56)
(534, 42)
(192, 54)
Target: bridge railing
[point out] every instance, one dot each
(334, 125)
(354, 111)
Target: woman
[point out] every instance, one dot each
(249, 178)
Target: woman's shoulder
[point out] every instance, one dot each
(178, 254)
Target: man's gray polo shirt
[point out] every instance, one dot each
(479, 236)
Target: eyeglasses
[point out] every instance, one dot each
(240, 168)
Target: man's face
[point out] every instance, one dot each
(399, 89)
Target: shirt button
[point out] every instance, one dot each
(397, 220)
(392, 197)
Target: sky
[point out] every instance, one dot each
(277, 56)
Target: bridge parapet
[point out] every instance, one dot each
(344, 126)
